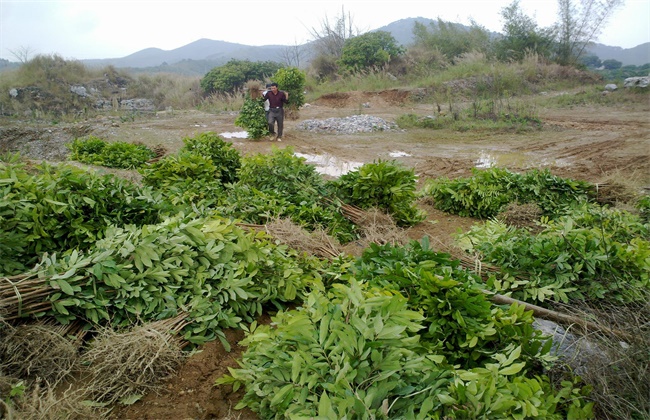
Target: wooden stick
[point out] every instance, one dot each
(558, 317)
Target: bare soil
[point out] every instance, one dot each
(586, 143)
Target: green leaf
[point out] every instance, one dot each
(512, 369)
(325, 409)
(296, 366)
(131, 399)
(286, 392)
(65, 287)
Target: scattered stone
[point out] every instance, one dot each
(610, 87)
(137, 104)
(79, 90)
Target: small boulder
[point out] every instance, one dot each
(642, 82)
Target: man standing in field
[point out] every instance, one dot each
(276, 99)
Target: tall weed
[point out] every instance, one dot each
(220, 102)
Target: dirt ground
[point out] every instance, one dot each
(591, 144)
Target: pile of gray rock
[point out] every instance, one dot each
(348, 125)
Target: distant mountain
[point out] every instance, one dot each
(636, 56)
(402, 30)
(196, 57)
(201, 50)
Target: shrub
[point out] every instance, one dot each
(54, 209)
(483, 195)
(415, 121)
(118, 154)
(287, 179)
(644, 208)
(231, 76)
(292, 80)
(371, 50)
(186, 178)
(253, 118)
(588, 254)
(223, 155)
(355, 353)
(488, 191)
(283, 173)
(384, 185)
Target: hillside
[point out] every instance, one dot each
(636, 56)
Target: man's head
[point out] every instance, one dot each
(274, 87)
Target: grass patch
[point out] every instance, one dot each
(479, 115)
(595, 95)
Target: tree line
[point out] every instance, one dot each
(339, 49)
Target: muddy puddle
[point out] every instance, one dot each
(494, 159)
(330, 165)
(234, 135)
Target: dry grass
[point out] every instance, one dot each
(218, 102)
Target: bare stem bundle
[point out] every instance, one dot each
(316, 243)
(46, 350)
(22, 295)
(122, 366)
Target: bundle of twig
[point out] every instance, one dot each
(614, 192)
(43, 401)
(159, 152)
(353, 213)
(380, 228)
(316, 243)
(22, 295)
(43, 349)
(124, 366)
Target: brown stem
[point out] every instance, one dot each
(560, 318)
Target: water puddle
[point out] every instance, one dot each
(234, 135)
(398, 154)
(330, 165)
(509, 159)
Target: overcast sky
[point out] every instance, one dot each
(85, 29)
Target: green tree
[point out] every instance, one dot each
(452, 39)
(370, 50)
(522, 35)
(591, 61)
(612, 64)
(234, 74)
